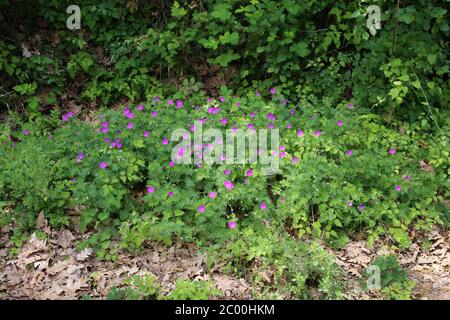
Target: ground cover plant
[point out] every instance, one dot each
(96, 123)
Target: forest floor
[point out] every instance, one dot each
(54, 269)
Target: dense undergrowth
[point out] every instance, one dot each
(363, 123)
(341, 173)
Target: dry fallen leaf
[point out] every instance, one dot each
(41, 222)
(84, 254)
(425, 166)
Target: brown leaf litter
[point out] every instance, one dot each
(54, 269)
(429, 268)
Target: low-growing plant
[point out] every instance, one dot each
(394, 281)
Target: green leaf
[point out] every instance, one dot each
(431, 58)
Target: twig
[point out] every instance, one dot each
(396, 29)
(427, 103)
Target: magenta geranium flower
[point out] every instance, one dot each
(170, 102)
(105, 124)
(317, 133)
(170, 193)
(212, 195)
(154, 114)
(392, 151)
(150, 189)
(271, 126)
(179, 104)
(273, 90)
(67, 116)
(221, 99)
(263, 205)
(165, 141)
(228, 185)
(350, 203)
(407, 178)
(361, 207)
(227, 172)
(249, 173)
(171, 164)
(257, 93)
(300, 133)
(282, 154)
(349, 152)
(224, 121)
(350, 105)
(80, 157)
(146, 134)
(232, 224)
(398, 188)
(130, 125)
(103, 165)
(238, 104)
(340, 123)
(140, 107)
(271, 117)
(250, 125)
(201, 208)
(295, 160)
(252, 114)
(26, 132)
(288, 126)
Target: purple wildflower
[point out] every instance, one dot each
(232, 224)
(212, 195)
(228, 184)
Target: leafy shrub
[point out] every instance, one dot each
(321, 48)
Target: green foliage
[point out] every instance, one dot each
(136, 288)
(193, 290)
(321, 48)
(395, 284)
(145, 288)
(327, 194)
